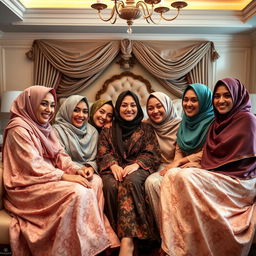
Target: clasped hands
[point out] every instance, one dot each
(120, 173)
(82, 176)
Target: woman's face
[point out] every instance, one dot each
(155, 109)
(80, 114)
(128, 109)
(46, 109)
(190, 103)
(103, 116)
(222, 99)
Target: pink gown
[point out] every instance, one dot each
(50, 216)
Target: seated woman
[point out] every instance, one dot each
(54, 209)
(101, 114)
(198, 116)
(127, 153)
(165, 121)
(80, 140)
(210, 212)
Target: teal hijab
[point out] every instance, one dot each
(193, 130)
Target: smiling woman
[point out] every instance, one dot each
(46, 109)
(52, 189)
(127, 153)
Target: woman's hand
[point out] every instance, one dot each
(130, 169)
(169, 166)
(117, 172)
(87, 172)
(76, 178)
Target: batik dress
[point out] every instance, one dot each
(125, 202)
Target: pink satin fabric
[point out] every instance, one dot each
(206, 213)
(51, 216)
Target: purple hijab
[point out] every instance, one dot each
(230, 147)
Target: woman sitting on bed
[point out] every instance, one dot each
(165, 121)
(127, 153)
(196, 120)
(211, 211)
(54, 209)
(79, 140)
(101, 114)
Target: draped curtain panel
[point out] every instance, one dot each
(70, 66)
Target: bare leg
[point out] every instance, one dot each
(127, 246)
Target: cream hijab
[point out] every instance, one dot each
(79, 143)
(167, 129)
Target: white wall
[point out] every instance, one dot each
(237, 59)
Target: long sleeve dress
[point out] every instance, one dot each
(211, 211)
(49, 216)
(125, 205)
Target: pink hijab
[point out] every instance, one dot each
(23, 114)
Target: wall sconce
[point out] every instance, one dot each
(7, 99)
(253, 102)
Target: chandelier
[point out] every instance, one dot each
(131, 10)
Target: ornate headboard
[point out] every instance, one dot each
(129, 81)
(125, 81)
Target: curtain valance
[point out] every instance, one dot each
(71, 65)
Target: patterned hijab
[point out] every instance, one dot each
(193, 130)
(167, 129)
(95, 107)
(79, 143)
(23, 114)
(122, 129)
(236, 130)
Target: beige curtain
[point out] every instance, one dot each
(175, 63)
(71, 65)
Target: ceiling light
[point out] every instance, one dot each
(131, 10)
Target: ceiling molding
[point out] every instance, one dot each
(86, 21)
(249, 11)
(15, 6)
(87, 17)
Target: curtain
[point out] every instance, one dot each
(175, 63)
(71, 65)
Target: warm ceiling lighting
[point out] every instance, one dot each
(131, 10)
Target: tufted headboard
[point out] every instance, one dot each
(125, 81)
(129, 81)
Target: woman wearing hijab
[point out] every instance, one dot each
(54, 209)
(101, 114)
(211, 210)
(80, 139)
(127, 153)
(165, 121)
(196, 120)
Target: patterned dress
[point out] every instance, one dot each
(126, 205)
